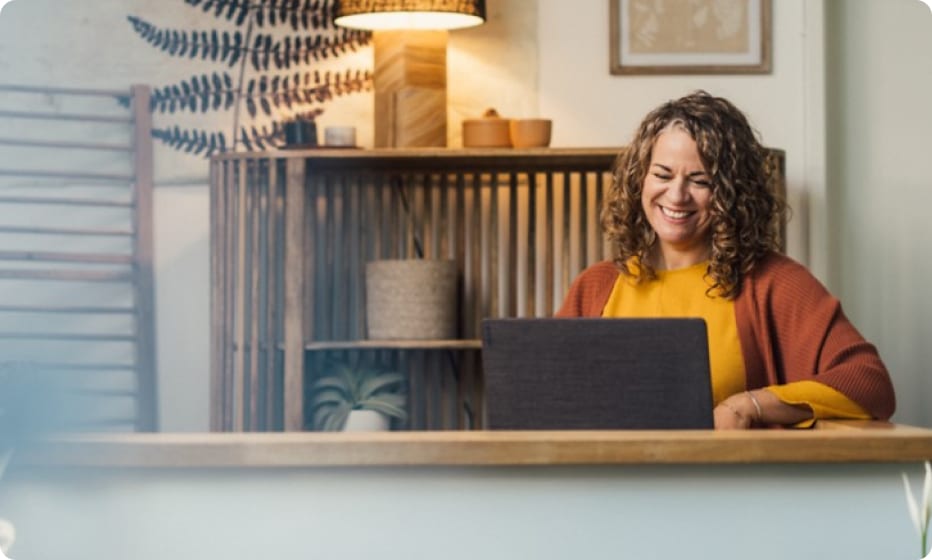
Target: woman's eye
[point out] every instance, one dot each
(663, 177)
(702, 183)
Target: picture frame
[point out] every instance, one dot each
(679, 37)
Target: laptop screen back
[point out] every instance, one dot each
(588, 374)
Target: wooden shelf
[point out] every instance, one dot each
(455, 344)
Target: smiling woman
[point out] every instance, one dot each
(677, 199)
(693, 223)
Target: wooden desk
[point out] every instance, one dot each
(832, 442)
(770, 495)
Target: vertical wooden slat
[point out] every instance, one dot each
(485, 247)
(575, 237)
(217, 272)
(337, 249)
(354, 271)
(147, 412)
(521, 235)
(229, 276)
(503, 245)
(294, 294)
(239, 291)
(369, 231)
(605, 184)
(542, 261)
(271, 294)
(253, 264)
(472, 303)
(419, 236)
(558, 247)
(593, 226)
(436, 192)
(388, 211)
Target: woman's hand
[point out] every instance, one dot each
(737, 412)
(741, 410)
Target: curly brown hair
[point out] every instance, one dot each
(746, 212)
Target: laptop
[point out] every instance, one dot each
(596, 374)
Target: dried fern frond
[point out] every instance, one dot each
(200, 93)
(214, 45)
(299, 14)
(191, 141)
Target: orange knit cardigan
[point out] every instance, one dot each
(790, 329)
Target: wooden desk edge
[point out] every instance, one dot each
(834, 442)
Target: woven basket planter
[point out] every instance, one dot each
(411, 299)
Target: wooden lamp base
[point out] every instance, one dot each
(410, 88)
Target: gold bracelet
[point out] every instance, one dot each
(760, 412)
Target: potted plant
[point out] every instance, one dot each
(342, 399)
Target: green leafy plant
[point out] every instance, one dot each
(350, 388)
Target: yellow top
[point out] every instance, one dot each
(684, 293)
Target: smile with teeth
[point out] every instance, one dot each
(676, 215)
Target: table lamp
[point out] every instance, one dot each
(410, 59)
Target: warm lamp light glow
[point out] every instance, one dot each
(383, 15)
(408, 20)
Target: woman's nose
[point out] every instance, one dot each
(678, 190)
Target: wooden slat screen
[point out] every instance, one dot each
(291, 237)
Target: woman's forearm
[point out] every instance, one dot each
(740, 410)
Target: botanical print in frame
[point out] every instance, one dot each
(690, 36)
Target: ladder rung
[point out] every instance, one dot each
(44, 256)
(68, 275)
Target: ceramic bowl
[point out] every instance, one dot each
(487, 132)
(530, 133)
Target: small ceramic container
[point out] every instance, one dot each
(490, 131)
(340, 136)
(530, 133)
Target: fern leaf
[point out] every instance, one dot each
(260, 138)
(186, 94)
(191, 141)
(227, 9)
(212, 45)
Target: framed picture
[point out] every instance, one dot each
(690, 36)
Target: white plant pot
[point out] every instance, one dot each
(366, 421)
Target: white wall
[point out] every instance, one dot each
(880, 109)
(592, 107)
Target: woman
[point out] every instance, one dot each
(693, 225)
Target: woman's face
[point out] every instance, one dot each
(676, 198)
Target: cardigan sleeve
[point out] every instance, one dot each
(589, 291)
(803, 334)
(824, 401)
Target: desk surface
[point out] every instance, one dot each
(831, 442)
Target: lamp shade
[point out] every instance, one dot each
(409, 14)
